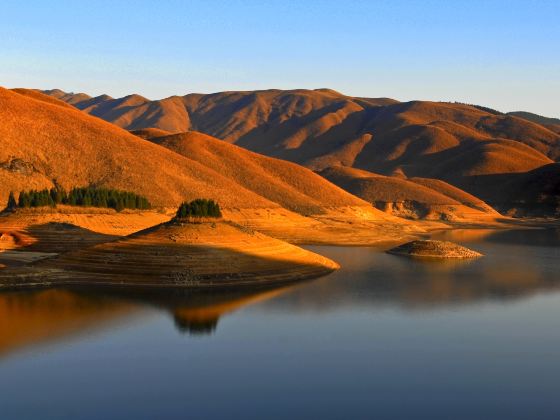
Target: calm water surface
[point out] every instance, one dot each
(385, 337)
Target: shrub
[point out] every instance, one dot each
(200, 207)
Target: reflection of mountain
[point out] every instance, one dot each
(199, 312)
(30, 318)
(517, 264)
(42, 316)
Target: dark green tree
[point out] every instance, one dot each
(12, 203)
(200, 207)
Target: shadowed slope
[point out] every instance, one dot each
(150, 133)
(532, 193)
(418, 198)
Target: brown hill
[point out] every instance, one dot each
(532, 193)
(417, 198)
(550, 123)
(44, 144)
(322, 128)
(293, 186)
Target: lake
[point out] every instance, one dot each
(385, 337)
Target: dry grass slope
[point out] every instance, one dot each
(45, 144)
(292, 186)
(323, 128)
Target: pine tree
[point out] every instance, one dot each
(24, 200)
(12, 204)
(199, 208)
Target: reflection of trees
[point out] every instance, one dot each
(195, 327)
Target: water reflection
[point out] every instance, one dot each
(197, 313)
(29, 318)
(33, 317)
(529, 237)
(516, 264)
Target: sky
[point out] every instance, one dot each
(501, 54)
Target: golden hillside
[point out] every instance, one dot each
(290, 185)
(46, 144)
(322, 128)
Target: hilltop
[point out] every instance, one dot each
(550, 123)
(318, 123)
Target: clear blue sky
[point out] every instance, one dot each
(503, 54)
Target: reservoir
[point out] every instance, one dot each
(384, 337)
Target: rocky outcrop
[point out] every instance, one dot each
(434, 249)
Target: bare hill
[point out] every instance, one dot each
(45, 144)
(322, 128)
(418, 198)
(550, 123)
(532, 193)
(293, 186)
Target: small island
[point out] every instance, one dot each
(434, 249)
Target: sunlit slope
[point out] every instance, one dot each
(210, 254)
(290, 185)
(44, 144)
(453, 142)
(321, 128)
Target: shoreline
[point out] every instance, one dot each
(169, 258)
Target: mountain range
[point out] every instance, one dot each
(507, 160)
